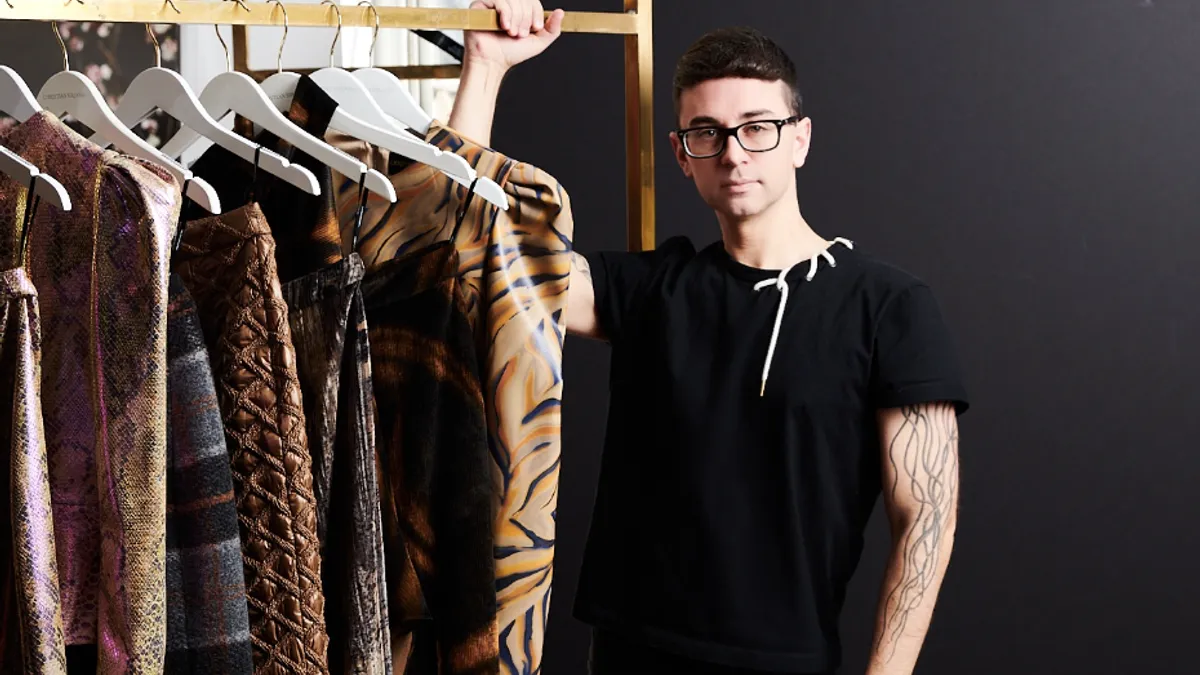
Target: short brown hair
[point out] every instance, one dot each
(736, 52)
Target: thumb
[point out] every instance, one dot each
(553, 27)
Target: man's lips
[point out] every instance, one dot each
(735, 184)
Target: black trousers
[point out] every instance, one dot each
(612, 654)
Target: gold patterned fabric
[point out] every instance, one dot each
(32, 633)
(228, 265)
(101, 274)
(514, 267)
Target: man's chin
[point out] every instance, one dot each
(739, 208)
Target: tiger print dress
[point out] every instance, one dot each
(514, 267)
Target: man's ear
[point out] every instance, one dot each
(680, 155)
(801, 142)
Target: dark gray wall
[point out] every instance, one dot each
(1039, 164)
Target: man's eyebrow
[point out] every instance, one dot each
(755, 113)
(706, 120)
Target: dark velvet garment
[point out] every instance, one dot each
(329, 326)
(320, 287)
(208, 624)
(228, 265)
(439, 495)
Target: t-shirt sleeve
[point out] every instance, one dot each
(621, 281)
(916, 360)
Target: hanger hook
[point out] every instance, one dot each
(157, 49)
(61, 45)
(9, 3)
(338, 35)
(282, 41)
(172, 4)
(221, 38)
(374, 33)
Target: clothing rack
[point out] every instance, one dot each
(634, 23)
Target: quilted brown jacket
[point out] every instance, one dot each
(228, 264)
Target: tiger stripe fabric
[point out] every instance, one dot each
(101, 274)
(31, 637)
(514, 267)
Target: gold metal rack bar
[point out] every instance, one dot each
(449, 71)
(264, 14)
(635, 24)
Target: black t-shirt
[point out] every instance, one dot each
(728, 523)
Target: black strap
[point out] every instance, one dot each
(362, 209)
(462, 213)
(179, 227)
(254, 175)
(443, 42)
(31, 203)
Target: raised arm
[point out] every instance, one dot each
(582, 319)
(920, 492)
(489, 55)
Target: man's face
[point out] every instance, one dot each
(739, 184)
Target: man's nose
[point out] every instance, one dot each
(734, 153)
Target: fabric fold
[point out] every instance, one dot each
(32, 633)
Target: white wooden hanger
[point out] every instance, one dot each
(15, 97)
(158, 88)
(44, 185)
(389, 91)
(17, 101)
(358, 115)
(70, 93)
(236, 92)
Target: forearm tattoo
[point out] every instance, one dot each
(924, 462)
(580, 263)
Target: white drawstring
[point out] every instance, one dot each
(781, 283)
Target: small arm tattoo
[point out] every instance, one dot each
(582, 265)
(924, 460)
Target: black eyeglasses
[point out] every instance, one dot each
(756, 136)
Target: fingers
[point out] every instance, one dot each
(505, 9)
(539, 16)
(523, 16)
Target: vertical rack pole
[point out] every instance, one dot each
(241, 49)
(639, 127)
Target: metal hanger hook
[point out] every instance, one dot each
(221, 38)
(337, 36)
(374, 33)
(283, 40)
(9, 3)
(61, 45)
(172, 4)
(157, 49)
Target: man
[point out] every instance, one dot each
(765, 390)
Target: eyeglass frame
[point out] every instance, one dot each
(726, 132)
